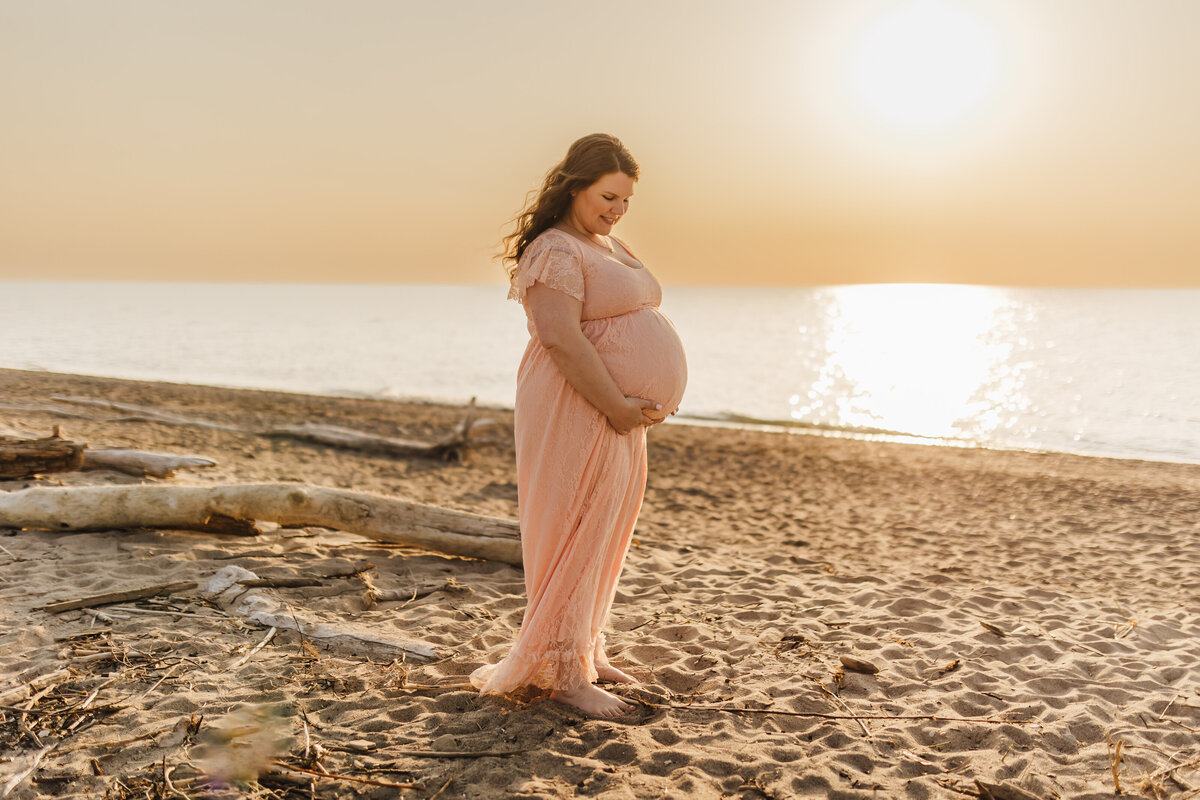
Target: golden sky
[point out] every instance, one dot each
(1019, 142)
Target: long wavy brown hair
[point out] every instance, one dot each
(588, 160)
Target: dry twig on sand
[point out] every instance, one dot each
(823, 715)
(270, 635)
(994, 629)
(838, 700)
(351, 778)
(459, 753)
(1170, 770)
(108, 598)
(1115, 756)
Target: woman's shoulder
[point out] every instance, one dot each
(555, 239)
(554, 246)
(553, 258)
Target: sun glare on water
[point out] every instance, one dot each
(924, 65)
(914, 359)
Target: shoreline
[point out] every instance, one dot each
(724, 420)
(1045, 601)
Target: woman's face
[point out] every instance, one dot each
(595, 210)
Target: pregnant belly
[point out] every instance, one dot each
(643, 354)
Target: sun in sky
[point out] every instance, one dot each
(904, 83)
(923, 65)
(1013, 142)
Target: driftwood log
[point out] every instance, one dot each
(24, 458)
(449, 447)
(388, 519)
(141, 414)
(227, 588)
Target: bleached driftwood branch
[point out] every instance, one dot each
(22, 408)
(142, 414)
(142, 463)
(387, 519)
(450, 446)
(263, 608)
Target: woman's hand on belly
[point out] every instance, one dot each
(657, 414)
(636, 412)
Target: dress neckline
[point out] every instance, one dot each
(610, 253)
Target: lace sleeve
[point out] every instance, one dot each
(552, 263)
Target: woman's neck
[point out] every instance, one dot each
(602, 242)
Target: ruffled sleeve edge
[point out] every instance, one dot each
(557, 264)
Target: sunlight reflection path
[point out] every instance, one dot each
(911, 358)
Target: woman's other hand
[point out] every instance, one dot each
(657, 414)
(635, 412)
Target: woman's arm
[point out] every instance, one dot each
(556, 318)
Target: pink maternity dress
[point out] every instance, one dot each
(580, 483)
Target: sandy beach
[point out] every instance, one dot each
(809, 617)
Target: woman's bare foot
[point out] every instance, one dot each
(594, 701)
(608, 672)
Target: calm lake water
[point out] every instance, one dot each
(1098, 372)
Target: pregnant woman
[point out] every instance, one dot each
(602, 365)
